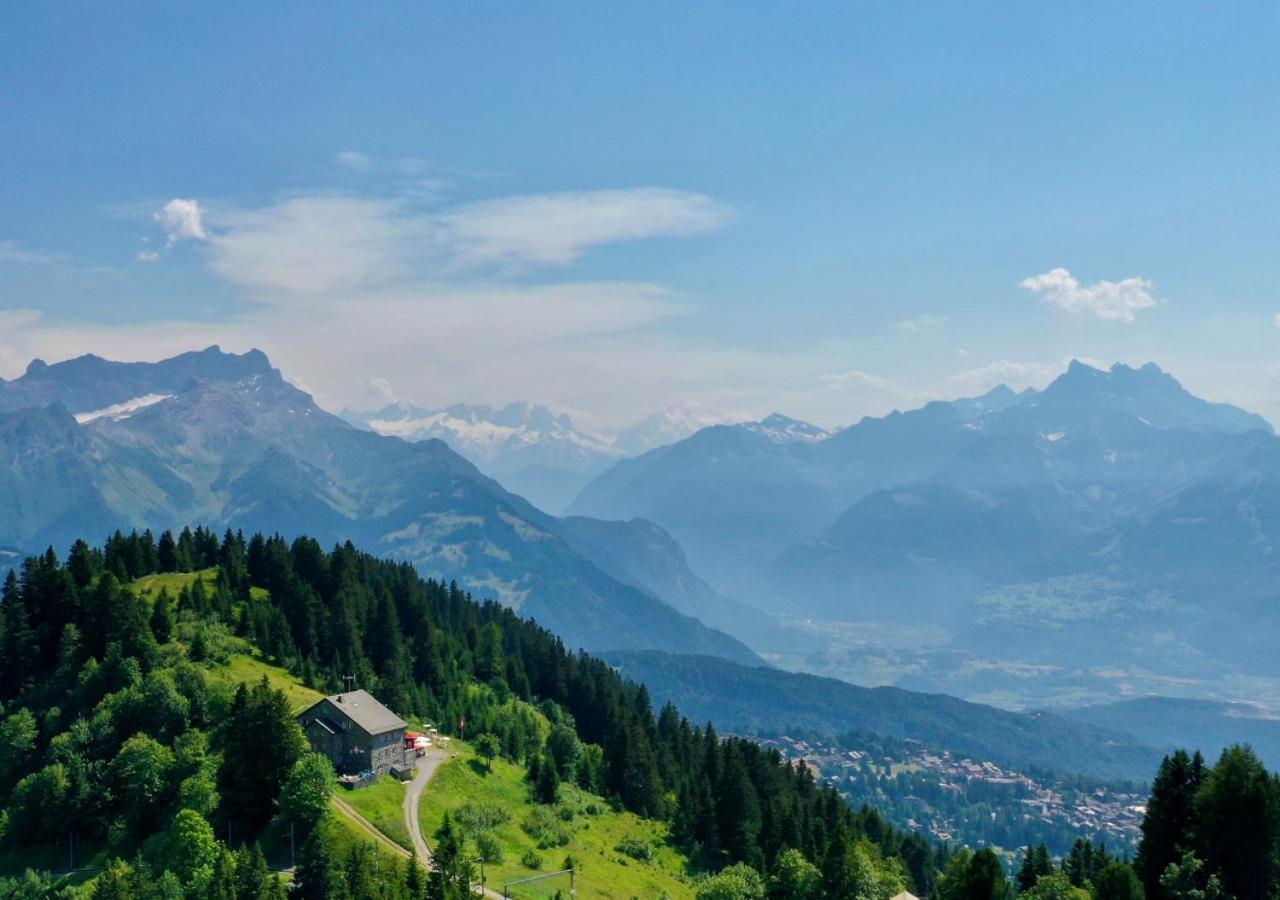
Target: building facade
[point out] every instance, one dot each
(357, 733)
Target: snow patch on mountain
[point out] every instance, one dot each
(784, 430)
(669, 426)
(122, 410)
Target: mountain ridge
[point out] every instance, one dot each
(1076, 531)
(257, 453)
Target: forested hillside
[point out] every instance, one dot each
(756, 700)
(130, 738)
(115, 736)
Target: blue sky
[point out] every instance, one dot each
(831, 209)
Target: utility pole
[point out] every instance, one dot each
(483, 880)
(293, 863)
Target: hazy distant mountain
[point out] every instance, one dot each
(529, 449)
(735, 495)
(666, 427)
(639, 553)
(1112, 525)
(783, 430)
(231, 443)
(1205, 725)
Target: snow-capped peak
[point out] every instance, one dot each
(668, 426)
(783, 429)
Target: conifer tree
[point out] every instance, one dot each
(1167, 828)
(1237, 815)
(162, 617)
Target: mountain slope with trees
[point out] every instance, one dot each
(770, 701)
(109, 721)
(236, 445)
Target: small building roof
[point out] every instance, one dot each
(364, 710)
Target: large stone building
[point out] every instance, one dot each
(356, 732)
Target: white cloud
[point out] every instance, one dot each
(922, 322)
(327, 243)
(13, 252)
(559, 228)
(353, 159)
(1276, 319)
(413, 165)
(182, 220)
(316, 244)
(1112, 300)
(854, 378)
(148, 256)
(377, 392)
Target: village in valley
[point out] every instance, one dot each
(960, 800)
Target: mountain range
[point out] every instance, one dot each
(1111, 533)
(1050, 537)
(92, 446)
(533, 451)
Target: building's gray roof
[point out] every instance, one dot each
(365, 711)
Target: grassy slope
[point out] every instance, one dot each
(242, 666)
(382, 804)
(247, 669)
(602, 870)
(149, 586)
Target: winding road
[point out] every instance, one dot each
(423, 770)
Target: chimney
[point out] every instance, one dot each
(339, 698)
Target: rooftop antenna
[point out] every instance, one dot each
(349, 682)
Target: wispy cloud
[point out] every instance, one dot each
(353, 159)
(325, 243)
(1112, 300)
(559, 228)
(13, 252)
(922, 322)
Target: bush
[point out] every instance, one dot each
(635, 847)
(545, 827)
(475, 818)
(531, 859)
(488, 846)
